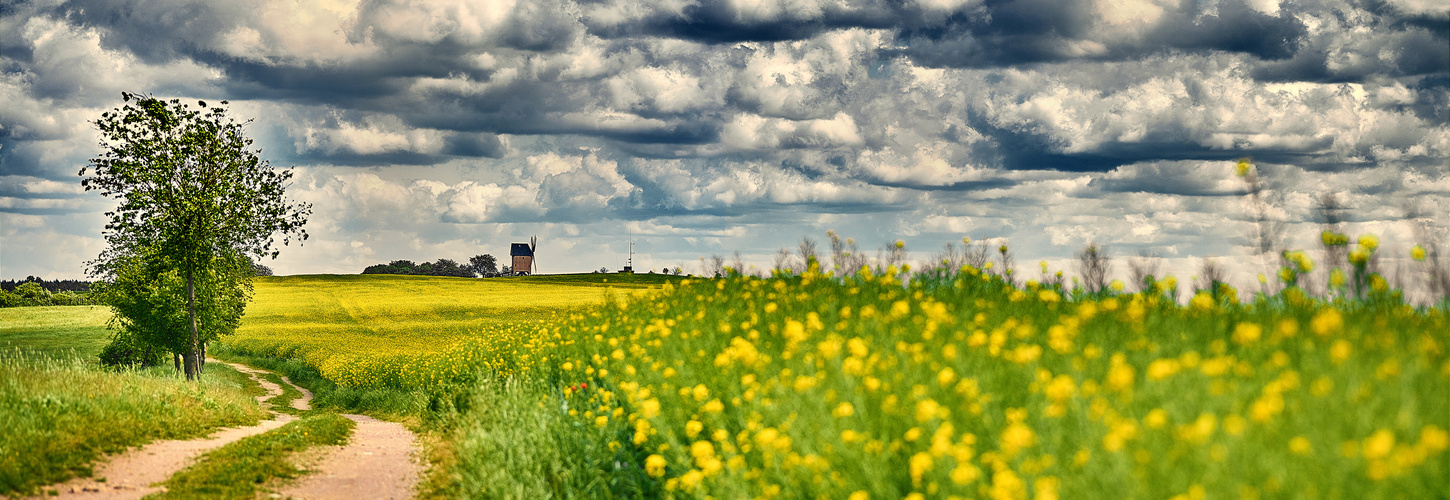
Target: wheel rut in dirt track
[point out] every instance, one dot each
(380, 459)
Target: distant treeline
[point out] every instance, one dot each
(37, 292)
(478, 266)
(49, 286)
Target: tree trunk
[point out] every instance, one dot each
(191, 364)
(176, 358)
(201, 359)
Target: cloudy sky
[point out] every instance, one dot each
(426, 129)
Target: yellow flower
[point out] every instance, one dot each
(1339, 351)
(654, 465)
(601, 421)
(1045, 488)
(1017, 437)
(859, 495)
(1156, 419)
(714, 406)
(650, 408)
(1242, 167)
(1202, 302)
(700, 392)
(1247, 333)
(1379, 444)
(1418, 253)
(928, 409)
(1378, 283)
(965, 473)
(693, 428)
(1007, 486)
(1337, 278)
(1061, 388)
(1300, 445)
(1358, 257)
(920, 464)
(1327, 322)
(1160, 369)
(1369, 242)
(845, 409)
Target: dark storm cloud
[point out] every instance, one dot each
(1033, 31)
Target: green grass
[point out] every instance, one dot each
(59, 415)
(241, 469)
(516, 443)
(56, 331)
(283, 402)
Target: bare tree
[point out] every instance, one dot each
(712, 267)
(976, 254)
(1005, 254)
(846, 257)
(948, 260)
(737, 263)
(1210, 276)
(1268, 233)
(895, 252)
(807, 248)
(782, 260)
(1141, 269)
(1093, 264)
(1431, 261)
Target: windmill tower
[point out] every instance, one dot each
(523, 257)
(533, 250)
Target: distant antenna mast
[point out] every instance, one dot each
(629, 263)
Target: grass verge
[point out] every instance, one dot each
(283, 402)
(50, 409)
(240, 469)
(517, 443)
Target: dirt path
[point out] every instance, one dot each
(379, 461)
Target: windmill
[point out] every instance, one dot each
(533, 249)
(523, 257)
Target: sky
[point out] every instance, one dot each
(427, 129)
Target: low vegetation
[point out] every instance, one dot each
(60, 414)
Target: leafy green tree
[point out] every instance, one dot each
(31, 294)
(191, 194)
(483, 265)
(148, 294)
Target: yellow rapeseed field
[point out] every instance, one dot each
(410, 331)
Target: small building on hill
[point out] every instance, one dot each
(523, 258)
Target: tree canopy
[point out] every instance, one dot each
(194, 199)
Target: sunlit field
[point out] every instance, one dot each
(409, 331)
(57, 331)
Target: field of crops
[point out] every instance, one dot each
(411, 331)
(965, 386)
(865, 387)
